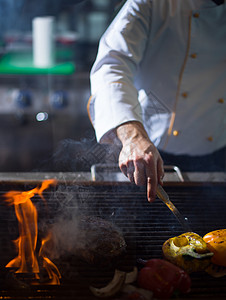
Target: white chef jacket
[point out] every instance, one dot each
(163, 63)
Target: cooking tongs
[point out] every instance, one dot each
(161, 193)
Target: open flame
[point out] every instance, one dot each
(27, 216)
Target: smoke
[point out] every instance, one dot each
(66, 238)
(80, 224)
(78, 156)
(89, 238)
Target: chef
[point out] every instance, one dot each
(158, 86)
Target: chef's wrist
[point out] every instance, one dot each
(130, 131)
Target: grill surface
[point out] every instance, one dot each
(145, 227)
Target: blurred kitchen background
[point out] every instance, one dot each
(44, 124)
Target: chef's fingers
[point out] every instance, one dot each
(151, 175)
(130, 170)
(151, 190)
(127, 169)
(148, 189)
(160, 171)
(123, 168)
(154, 179)
(139, 173)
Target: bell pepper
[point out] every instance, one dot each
(163, 278)
(216, 242)
(188, 251)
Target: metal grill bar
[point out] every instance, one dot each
(145, 227)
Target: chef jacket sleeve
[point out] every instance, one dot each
(114, 97)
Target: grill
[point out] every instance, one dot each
(145, 227)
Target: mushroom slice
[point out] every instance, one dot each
(131, 276)
(112, 288)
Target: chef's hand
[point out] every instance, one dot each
(139, 159)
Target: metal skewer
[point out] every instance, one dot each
(161, 193)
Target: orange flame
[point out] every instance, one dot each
(50, 267)
(27, 217)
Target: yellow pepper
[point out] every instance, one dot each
(188, 251)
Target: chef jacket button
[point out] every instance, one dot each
(210, 138)
(193, 55)
(175, 132)
(221, 100)
(196, 15)
(184, 95)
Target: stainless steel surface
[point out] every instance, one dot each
(111, 172)
(162, 195)
(107, 172)
(176, 170)
(54, 94)
(40, 176)
(206, 176)
(218, 177)
(39, 112)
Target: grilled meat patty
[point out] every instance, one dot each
(101, 239)
(92, 239)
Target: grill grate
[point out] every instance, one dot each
(145, 227)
